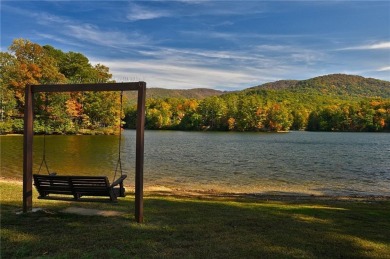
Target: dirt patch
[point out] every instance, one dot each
(92, 212)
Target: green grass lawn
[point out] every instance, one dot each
(195, 227)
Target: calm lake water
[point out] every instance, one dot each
(286, 163)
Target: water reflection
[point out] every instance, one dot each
(299, 162)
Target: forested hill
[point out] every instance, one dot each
(341, 85)
(157, 93)
(327, 103)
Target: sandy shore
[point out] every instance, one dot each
(210, 194)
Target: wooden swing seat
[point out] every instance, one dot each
(78, 186)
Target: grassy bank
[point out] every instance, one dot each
(197, 227)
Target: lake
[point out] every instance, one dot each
(318, 163)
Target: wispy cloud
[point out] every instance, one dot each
(384, 69)
(110, 39)
(228, 69)
(374, 46)
(141, 11)
(383, 45)
(161, 74)
(59, 39)
(195, 43)
(74, 32)
(40, 17)
(138, 12)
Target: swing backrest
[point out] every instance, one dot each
(74, 185)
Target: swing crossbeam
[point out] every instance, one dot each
(140, 87)
(49, 88)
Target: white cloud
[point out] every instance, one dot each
(384, 69)
(62, 40)
(222, 69)
(179, 74)
(138, 12)
(47, 19)
(383, 45)
(201, 56)
(82, 32)
(374, 46)
(78, 34)
(40, 17)
(90, 33)
(161, 74)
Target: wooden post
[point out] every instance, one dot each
(28, 149)
(139, 163)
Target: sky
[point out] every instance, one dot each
(224, 45)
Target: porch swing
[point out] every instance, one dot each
(79, 186)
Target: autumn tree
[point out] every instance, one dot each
(249, 115)
(31, 65)
(278, 118)
(28, 63)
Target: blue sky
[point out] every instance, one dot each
(226, 45)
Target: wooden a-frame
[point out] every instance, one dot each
(28, 134)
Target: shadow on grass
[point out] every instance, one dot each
(224, 227)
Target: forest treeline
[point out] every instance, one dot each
(242, 112)
(327, 103)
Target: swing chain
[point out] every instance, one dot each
(119, 162)
(44, 138)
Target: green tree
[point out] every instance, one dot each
(8, 99)
(131, 117)
(213, 111)
(102, 108)
(313, 122)
(190, 120)
(300, 118)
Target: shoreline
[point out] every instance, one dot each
(213, 194)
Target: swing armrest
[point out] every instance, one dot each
(119, 180)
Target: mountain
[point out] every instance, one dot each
(277, 85)
(340, 85)
(157, 93)
(335, 102)
(310, 93)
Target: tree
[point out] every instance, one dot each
(250, 113)
(213, 110)
(300, 118)
(278, 118)
(7, 99)
(313, 122)
(28, 63)
(190, 120)
(32, 65)
(102, 108)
